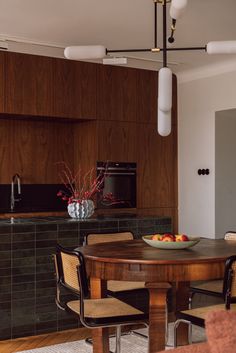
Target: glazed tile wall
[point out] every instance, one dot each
(27, 282)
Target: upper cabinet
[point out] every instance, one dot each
(43, 86)
(35, 85)
(116, 93)
(147, 92)
(2, 80)
(28, 84)
(74, 89)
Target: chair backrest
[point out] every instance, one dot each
(229, 285)
(230, 235)
(71, 270)
(96, 238)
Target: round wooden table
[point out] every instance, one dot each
(134, 260)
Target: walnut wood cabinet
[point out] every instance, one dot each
(157, 168)
(108, 113)
(117, 141)
(2, 81)
(116, 93)
(50, 87)
(147, 92)
(28, 85)
(74, 89)
(32, 148)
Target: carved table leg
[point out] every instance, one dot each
(100, 336)
(157, 315)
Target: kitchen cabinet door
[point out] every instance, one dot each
(74, 89)
(117, 93)
(28, 84)
(147, 92)
(117, 141)
(156, 168)
(2, 81)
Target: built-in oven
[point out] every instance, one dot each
(118, 189)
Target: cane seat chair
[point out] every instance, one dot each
(105, 312)
(197, 316)
(212, 288)
(115, 286)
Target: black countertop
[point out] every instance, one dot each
(58, 219)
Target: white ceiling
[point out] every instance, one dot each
(120, 24)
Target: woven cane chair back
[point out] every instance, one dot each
(69, 267)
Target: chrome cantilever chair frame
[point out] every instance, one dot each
(228, 293)
(127, 287)
(210, 288)
(96, 238)
(82, 293)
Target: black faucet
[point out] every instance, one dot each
(15, 179)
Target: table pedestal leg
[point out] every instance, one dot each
(181, 302)
(157, 315)
(100, 336)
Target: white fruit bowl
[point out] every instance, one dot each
(173, 245)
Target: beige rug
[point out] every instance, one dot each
(129, 343)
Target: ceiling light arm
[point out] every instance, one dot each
(108, 51)
(154, 50)
(185, 48)
(171, 38)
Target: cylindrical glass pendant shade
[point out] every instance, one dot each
(164, 123)
(177, 8)
(85, 52)
(221, 47)
(165, 89)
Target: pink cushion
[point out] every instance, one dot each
(220, 329)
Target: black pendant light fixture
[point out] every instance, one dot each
(177, 8)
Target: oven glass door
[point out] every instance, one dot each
(122, 186)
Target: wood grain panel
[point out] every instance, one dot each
(157, 169)
(6, 151)
(31, 148)
(2, 81)
(116, 93)
(74, 89)
(117, 141)
(52, 142)
(88, 87)
(85, 145)
(28, 84)
(147, 92)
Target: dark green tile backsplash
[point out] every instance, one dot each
(27, 283)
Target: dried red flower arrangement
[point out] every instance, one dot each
(84, 187)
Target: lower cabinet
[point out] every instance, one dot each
(27, 276)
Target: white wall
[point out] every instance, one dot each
(225, 171)
(198, 100)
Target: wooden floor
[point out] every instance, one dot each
(21, 344)
(24, 343)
